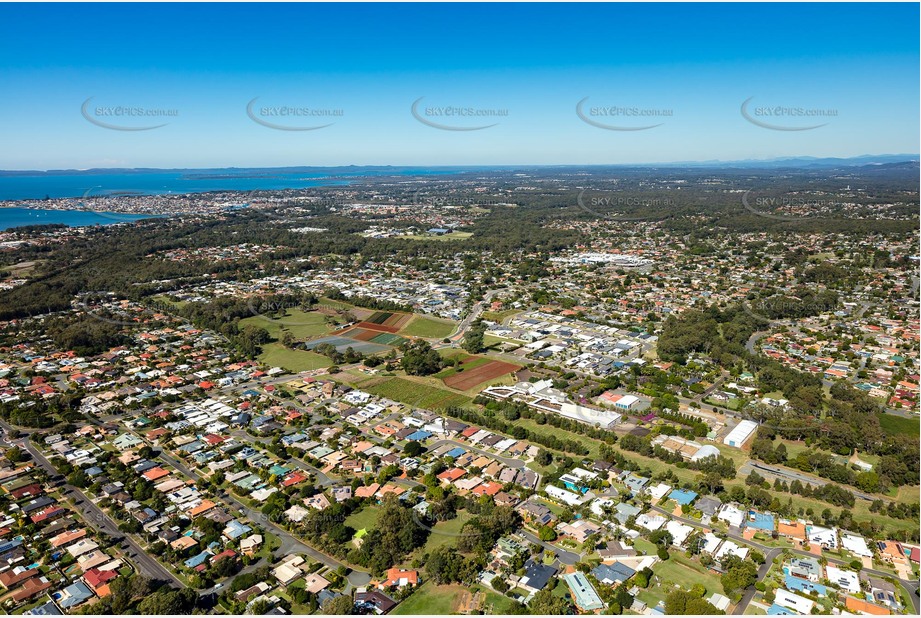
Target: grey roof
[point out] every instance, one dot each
(537, 575)
(613, 573)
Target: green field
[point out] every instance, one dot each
(684, 572)
(428, 328)
(499, 316)
(899, 425)
(443, 237)
(467, 366)
(417, 394)
(429, 599)
(366, 518)
(301, 324)
(446, 532)
(277, 355)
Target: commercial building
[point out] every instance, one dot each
(740, 434)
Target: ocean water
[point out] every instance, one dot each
(97, 183)
(63, 184)
(18, 217)
(153, 183)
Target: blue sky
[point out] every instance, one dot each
(696, 64)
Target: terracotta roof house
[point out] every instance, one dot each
(399, 578)
(792, 529)
(865, 607)
(11, 578)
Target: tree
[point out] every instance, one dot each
(161, 603)
(473, 339)
(338, 606)
(546, 534)
(544, 457)
(445, 565)
(544, 602)
(737, 574)
(681, 603)
(419, 359)
(413, 449)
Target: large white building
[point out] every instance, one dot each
(740, 434)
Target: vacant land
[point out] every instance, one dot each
(428, 328)
(417, 394)
(363, 519)
(479, 374)
(430, 599)
(466, 363)
(449, 236)
(301, 324)
(899, 425)
(295, 361)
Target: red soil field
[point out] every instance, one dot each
(380, 328)
(471, 377)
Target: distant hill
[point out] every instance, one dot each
(803, 162)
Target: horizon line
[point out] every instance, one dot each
(907, 157)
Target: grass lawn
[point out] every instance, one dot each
(644, 547)
(301, 324)
(428, 328)
(277, 355)
(899, 425)
(166, 300)
(446, 532)
(365, 518)
(429, 599)
(417, 394)
(495, 602)
(499, 316)
(682, 571)
(493, 342)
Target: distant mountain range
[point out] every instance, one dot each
(781, 162)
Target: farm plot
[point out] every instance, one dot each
(389, 339)
(478, 374)
(416, 394)
(343, 343)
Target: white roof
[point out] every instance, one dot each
(844, 578)
(679, 531)
(650, 522)
(740, 433)
(792, 601)
(856, 545)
